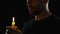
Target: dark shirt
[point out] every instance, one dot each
(48, 25)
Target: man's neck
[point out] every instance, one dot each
(44, 14)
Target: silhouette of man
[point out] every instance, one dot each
(43, 22)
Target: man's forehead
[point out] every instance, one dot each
(37, 0)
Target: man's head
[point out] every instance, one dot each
(35, 7)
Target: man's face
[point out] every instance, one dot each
(35, 6)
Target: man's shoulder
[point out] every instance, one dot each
(53, 19)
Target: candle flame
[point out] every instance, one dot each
(13, 19)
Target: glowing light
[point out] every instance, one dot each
(13, 19)
(13, 22)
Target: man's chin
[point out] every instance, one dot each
(36, 13)
(33, 14)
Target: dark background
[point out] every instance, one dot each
(13, 8)
(10, 8)
(18, 9)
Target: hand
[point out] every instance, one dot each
(14, 30)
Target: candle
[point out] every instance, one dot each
(13, 29)
(13, 22)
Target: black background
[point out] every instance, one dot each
(13, 8)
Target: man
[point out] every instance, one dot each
(43, 22)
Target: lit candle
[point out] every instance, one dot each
(13, 29)
(13, 22)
